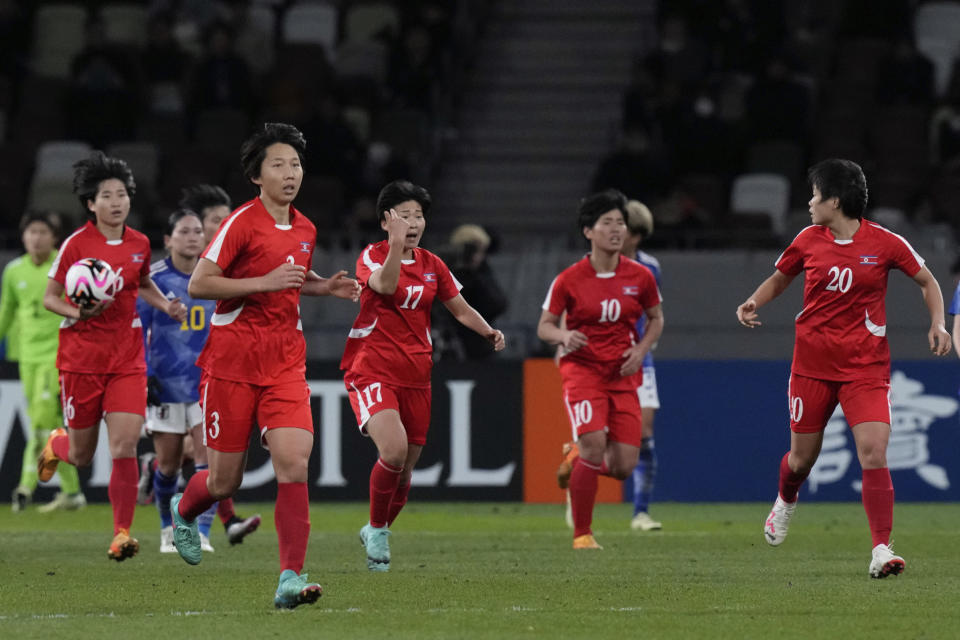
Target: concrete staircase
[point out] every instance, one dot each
(542, 107)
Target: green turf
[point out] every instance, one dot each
(494, 571)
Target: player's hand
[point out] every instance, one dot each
(154, 389)
(747, 314)
(633, 361)
(939, 340)
(286, 276)
(497, 339)
(396, 228)
(93, 310)
(573, 340)
(343, 287)
(177, 310)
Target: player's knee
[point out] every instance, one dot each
(221, 488)
(81, 457)
(620, 472)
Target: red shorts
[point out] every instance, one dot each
(369, 397)
(813, 401)
(615, 412)
(231, 409)
(87, 397)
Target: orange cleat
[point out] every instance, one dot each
(586, 541)
(47, 460)
(570, 453)
(123, 546)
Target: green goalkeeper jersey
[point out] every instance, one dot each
(21, 303)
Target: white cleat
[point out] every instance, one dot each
(166, 540)
(885, 562)
(777, 523)
(65, 502)
(205, 543)
(643, 522)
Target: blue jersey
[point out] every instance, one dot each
(172, 347)
(955, 303)
(653, 264)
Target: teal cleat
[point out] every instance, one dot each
(294, 590)
(378, 547)
(186, 536)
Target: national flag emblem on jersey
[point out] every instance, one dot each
(868, 260)
(429, 277)
(137, 257)
(305, 247)
(631, 290)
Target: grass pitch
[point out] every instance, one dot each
(493, 571)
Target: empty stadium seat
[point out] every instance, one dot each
(310, 23)
(368, 20)
(765, 193)
(59, 34)
(124, 23)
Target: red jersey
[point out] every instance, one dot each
(258, 339)
(113, 341)
(605, 308)
(390, 339)
(841, 330)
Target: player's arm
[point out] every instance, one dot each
(550, 331)
(634, 355)
(53, 301)
(208, 282)
(767, 291)
(956, 335)
(937, 336)
(384, 280)
(8, 304)
(471, 319)
(150, 293)
(338, 285)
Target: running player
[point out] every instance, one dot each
(24, 281)
(254, 362)
(841, 353)
(603, 296)
(100, 357)
(389, 354)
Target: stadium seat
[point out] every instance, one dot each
(255, 38)
(942, 52)
(59, 35)
(55, 160)
(890, 217)
(762, 193)
(368, 21)
(776, 156)
(938, 20)
(143, 158)
(362, 60)
(124, 23)
(311, 23)
(358, 119)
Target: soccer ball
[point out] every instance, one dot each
(90, 280)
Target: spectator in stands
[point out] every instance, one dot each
(470, 244)
(165, 66)
(222, 79)
(778, 107)
(907, 76)
(413, 68)
(639, 166)
(341, 154)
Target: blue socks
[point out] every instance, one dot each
(163, 489)
(643, 476)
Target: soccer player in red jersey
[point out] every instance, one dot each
(841, 353)
(602, 296)
(254, 362)
(389, 354)
(100, 358)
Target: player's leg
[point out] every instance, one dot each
(415, 416)
(205, 519)
(645, 473)
(28, 473)
(169, 448)
(47, 418)
(584, 479)
(82, 397)
(123, 432)
(403, 488)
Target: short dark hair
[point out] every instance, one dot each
(597, 204)
(843, 180)
(400, 191)
(177, 216)
(93, 170)
(198, 197)
(254, 148)
(49, 218)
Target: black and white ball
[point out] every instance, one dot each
(90, 280)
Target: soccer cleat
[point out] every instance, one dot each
(643, 522)
(186, 535)
(19, 500)
(294, 590)
(64, 501)
(377, 546)
(123, 546)
(777, 523)
(205, 543)
(568, 512)
(586, 541)
(166, 540)
(570, 452)
(145, 484)
(885, 562)
(239, 529)
(47, 461)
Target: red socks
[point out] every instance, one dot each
(790, 481)
(61, 447)
(292, 516)
(878, 503)
(122, 491)
(384, 480)
(196, 498)
(225, 510)
(583, 494)
(399, 499)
